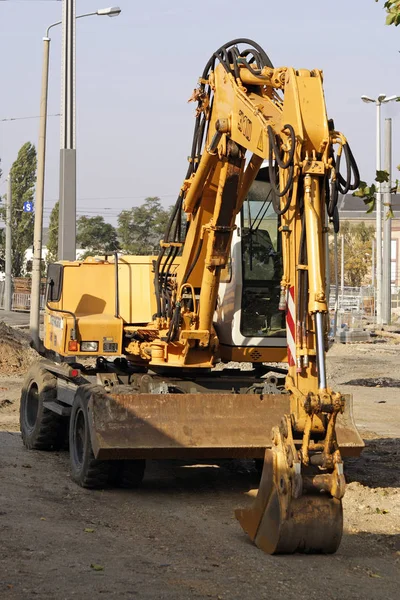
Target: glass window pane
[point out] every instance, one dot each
(261, 265)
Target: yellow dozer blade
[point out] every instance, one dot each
(215, 425)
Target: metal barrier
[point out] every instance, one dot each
(20, 301)
(359, 300)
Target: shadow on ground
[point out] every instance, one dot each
(378, 465)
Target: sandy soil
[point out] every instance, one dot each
(176, 537)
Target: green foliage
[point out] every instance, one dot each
(358, 253)
(139, 231)
(23, 178)
(96, 236)
(52, 242)
(141, 228)
(382, 176)
(392, 8)
(367, 192)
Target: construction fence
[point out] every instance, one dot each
(21, 295)
(357, 305)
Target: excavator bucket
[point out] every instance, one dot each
(278, 524)
(288, 515)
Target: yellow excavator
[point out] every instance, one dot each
(138, 350)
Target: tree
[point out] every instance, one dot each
(392, 8)
(141, 228)
(23, 178)
(52, 242)
(357, 254)
(96, 236)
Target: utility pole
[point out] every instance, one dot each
(373, 264)
(8, 265)
(67, 211)
(34, 321)
(387, 229)
(335, 246)
(373, 278)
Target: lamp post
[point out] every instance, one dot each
(41, 156)
(67, 206)
(381, 99)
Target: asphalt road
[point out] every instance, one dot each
(14, 319)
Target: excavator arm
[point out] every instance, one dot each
(249, 112)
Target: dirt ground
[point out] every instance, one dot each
(176, 537)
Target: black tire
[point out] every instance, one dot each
(41, 429)
(127, 473)
(86, 470)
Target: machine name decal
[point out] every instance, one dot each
(245, 125)
(56, 322)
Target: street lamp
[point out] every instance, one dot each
(41, 156)
(381, 99)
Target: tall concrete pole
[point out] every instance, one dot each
(373, 277)
(387, 228)
(67, 211)
(378, 207)
(8, 257)
(38, 228)
(335, 246)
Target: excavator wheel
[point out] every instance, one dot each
(281, 523)
(41, 428)
(86, 470)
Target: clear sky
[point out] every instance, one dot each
(136, 72)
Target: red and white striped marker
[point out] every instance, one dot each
(291, 327)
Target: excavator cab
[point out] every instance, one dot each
(248, 314)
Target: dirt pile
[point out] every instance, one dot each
(15, 353)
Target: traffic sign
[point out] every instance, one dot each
(28, 207)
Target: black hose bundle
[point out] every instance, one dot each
(276, 162)
(340, 184)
